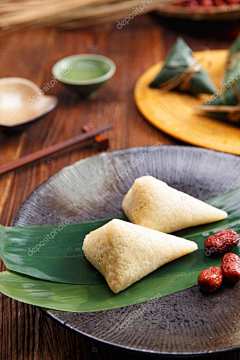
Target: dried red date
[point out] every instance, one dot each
(191, 4)
(205, 3)
(219, 3)
(210, 279)
(231, 267)
(221, 242)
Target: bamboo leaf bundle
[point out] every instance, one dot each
(15, 14)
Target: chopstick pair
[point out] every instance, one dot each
(54, 148)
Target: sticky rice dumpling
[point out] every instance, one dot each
(124, 253)
(181, 71)
(232, 73)
(152, 203)
(225, 106)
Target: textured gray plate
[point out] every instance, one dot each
(184, 323)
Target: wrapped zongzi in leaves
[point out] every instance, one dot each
(232, 73)
(181, 71)
(230, 113)
(225, 106)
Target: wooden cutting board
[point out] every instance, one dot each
(174, 113)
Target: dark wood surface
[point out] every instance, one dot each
(26, 332)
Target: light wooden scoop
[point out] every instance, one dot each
(22, 101)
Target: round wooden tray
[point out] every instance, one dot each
(215, 13)
(173, 112)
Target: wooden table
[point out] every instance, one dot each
(25, 332)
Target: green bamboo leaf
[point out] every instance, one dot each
(84, 298)
(233, 62)
(51, 253)
(90, 291)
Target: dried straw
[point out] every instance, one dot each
(15, 14)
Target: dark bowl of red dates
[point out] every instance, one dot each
(203, 9)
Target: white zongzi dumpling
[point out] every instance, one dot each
(124, 253)
(152, 203)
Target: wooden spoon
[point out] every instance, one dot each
(22, 101)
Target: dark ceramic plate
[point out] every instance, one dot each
(184, 323)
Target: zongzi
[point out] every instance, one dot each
(152, 203)
(124, 253)
(232, 73)
(181, 71)
(224, 105)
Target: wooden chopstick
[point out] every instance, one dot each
(52, 149)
